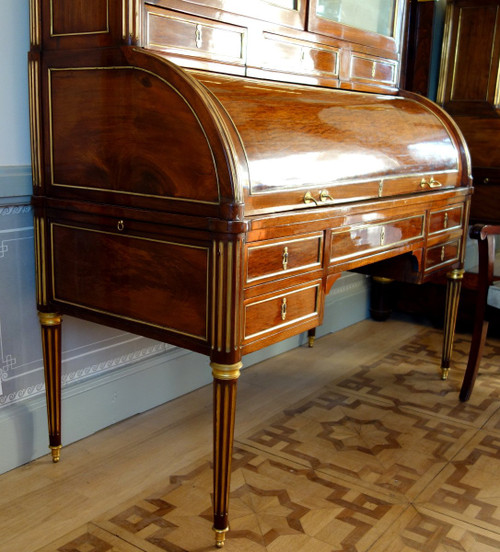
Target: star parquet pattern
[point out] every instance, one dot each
(383, 459)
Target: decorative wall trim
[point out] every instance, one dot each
(15, 185)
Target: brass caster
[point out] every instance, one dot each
(56, 453)
(220, 537)
(444, 373)
(310, 341)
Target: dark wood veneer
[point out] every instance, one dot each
(205, 170)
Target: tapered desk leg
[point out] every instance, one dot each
(311, 337)
(225, 385)
(453, 287)
(51, 346)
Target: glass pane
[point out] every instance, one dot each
(373, 15)
(287, 4)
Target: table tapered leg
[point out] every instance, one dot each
(453, 287)
(51, 346)
(225, 386)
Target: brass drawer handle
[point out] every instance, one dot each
(284, 258)
(445, 221)
(324, 195)
(283, 309)
(120, 226)
(433, 183)
(308, 198)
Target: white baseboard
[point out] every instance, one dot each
(99, 402)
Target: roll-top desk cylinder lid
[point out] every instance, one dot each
(201, 142)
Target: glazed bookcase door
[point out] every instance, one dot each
(375, 24)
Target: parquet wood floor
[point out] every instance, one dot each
(355, 445)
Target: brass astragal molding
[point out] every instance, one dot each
(35, 24)
(35, 121)
(226, 295)
(40, 260)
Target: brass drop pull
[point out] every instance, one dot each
(197, 36)
(283, 308)
(442, 253)
(284, 258)
(120, 225)
(382, 236)
(324, 195)
(308, 198)
(445, 222)
(433, 183)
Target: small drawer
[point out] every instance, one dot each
(442, 254)
(280, 258)
(371, 237)
(286, 55)
(195, 37)
(372, 69)
(446, 219)
(272, 313)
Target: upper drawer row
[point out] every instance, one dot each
(199, 42)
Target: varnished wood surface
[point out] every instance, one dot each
(157, 186)
(40, 502)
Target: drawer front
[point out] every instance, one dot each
(442, 254)
(372, 237)
(372, 69)
(294, 56)
(117, 274)
(281, 258)
(194, 36)
(446, 219)
(273, 313)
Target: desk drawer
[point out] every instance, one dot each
(193, 36)
(446, 219)
(372, 69)
(442, 254)
(372, 237)
(281, 258)
(274, 312)
(286, 55)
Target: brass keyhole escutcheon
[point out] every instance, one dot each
(284, 258)
(283, 309)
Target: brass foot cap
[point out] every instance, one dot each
(310, 342)
(220, 536)
(56, 453)
(444, 373)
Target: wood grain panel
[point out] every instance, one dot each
(446, 219)
(280, 258)
(137, 130)
(159, 282)
(71, 17)
(372, 237)
(275, 312)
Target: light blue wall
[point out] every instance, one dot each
(108, 375)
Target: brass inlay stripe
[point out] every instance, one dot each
(35, 23)
(40, 260)
(108, 190)
(229, 296)
(35, 137)
(220, 293)
(129, 318)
